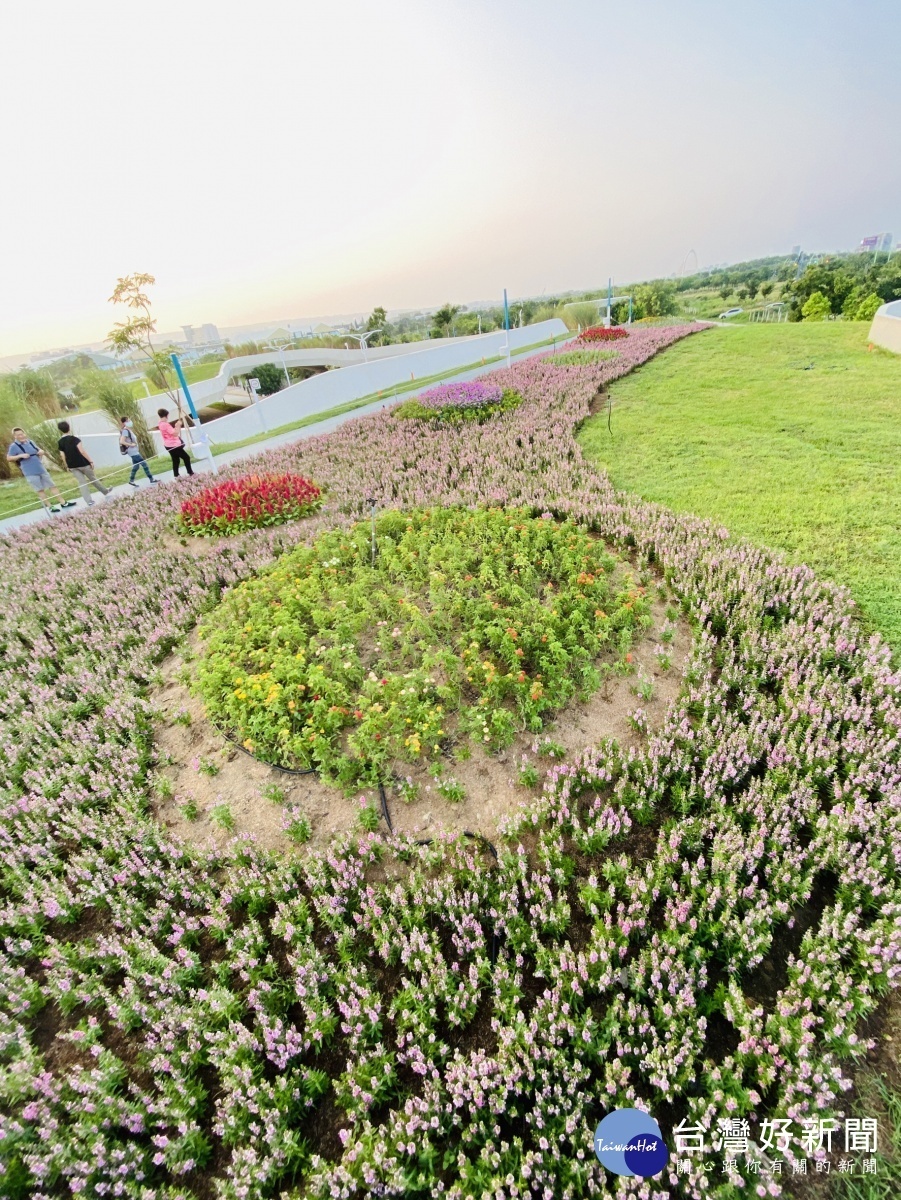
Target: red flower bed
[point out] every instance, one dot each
(600, 333)
(248, 503)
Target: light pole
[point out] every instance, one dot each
(361, 338)
(281, 351)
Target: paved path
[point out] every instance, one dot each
(201, 465)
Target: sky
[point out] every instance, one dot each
(274, 159)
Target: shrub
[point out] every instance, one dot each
(248, 503)
(454, 403)
(868, 307)
(816, 308)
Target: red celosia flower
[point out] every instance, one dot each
(253, 500)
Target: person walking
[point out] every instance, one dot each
(128, 444)
(79, 463)
(30, 458)
(173, 441)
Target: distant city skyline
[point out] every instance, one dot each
(301, 158)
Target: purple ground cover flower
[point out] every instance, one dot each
(472, 393)
(696, 926)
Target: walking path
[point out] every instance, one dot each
(202, 465)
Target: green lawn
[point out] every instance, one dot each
(790, 435)
(194, 374)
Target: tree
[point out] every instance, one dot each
(379, 320)
(816, 307)
(136, 333)
(766, 288)
(867, 308)
(271, 377)
(656, 299)
(443, 319)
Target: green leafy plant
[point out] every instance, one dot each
(274, 793)
(528, 775)
(298, 828)
(163, 786)
(368, 817)
(189, 809)
(452, 790)
(221, 815)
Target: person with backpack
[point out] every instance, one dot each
(128, 444)
(76, 459)
(173, 441)
(30, 458)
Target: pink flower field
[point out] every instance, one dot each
(697, 927)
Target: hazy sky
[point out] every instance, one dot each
(270, 159)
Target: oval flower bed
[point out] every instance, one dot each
(469, 625)
(249, 503)
(454, 403)
(600, 333)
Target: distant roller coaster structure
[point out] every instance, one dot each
(691, 254)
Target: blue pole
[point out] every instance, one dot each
(506, 311)
(184, 386)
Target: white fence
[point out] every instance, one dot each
(388, 367)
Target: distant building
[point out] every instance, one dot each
(206, 337)
(877, 243)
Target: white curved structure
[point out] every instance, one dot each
(886, 328)
(385, 368)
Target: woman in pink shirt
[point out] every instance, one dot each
(172, 440)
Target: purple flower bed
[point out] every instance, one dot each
(473, 393)
(695, 928)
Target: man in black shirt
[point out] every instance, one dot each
(76, 459)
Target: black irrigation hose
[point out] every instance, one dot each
(262, 762)
(385, 813)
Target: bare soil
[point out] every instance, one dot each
(198, 764)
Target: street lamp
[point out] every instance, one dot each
(281, 350)
(361, 338)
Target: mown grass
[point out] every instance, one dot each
(787, 434)
(194, 373)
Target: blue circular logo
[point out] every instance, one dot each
(629, 1142)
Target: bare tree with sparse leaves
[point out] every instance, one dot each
(136, 333)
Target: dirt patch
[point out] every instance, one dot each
(202, 778)
(207, 547)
